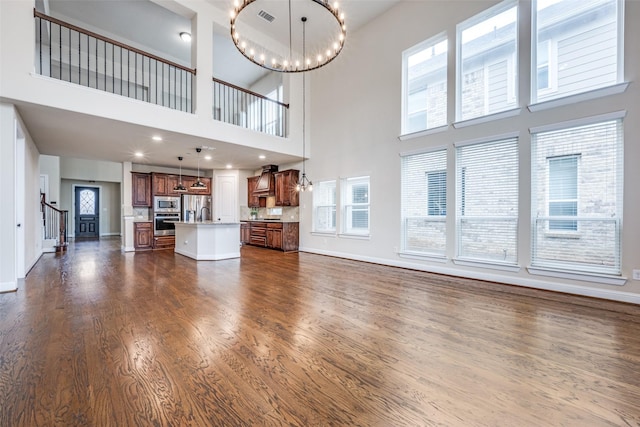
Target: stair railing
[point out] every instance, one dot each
(54, 224)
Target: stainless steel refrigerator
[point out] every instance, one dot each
(196, 208)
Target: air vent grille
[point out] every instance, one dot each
(266, 16)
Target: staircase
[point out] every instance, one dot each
(54, 227)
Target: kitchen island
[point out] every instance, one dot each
(208, 240)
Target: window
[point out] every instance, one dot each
(424, 202)
(577, 197)
(487, 62)
(487, 200)
(324, 207)
(425, 85)
(355, 205)
(563, 192)
(577, 47)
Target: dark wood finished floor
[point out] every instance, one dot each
(100, 338)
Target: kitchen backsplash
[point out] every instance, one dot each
(288, 213)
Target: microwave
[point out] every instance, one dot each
(166, 204)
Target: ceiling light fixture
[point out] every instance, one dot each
(186, 37)
(156, 138)
(328, 35)
(304, 183)
(180, 188)
(199, 185)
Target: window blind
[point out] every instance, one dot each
(577, 197)
(356, 199)
(424, 202)
(487, 201)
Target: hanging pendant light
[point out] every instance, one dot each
(180, 188)
(199, 185)
(304, 184)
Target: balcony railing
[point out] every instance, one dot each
(242, 107)
(70, 53)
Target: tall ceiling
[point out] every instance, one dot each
(154, 26)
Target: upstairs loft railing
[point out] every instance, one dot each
(70, 53)
(242, 107)
(54, 224)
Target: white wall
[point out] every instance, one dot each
(90, 170)
(8, 233)
(50, 166)
(32, 215)
(359, 95)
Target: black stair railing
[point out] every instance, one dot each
(73, 54)
(54, 223)
(251, 110)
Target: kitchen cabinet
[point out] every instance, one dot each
(245, 233)
(159, 184)
(164, 242)
(252, 201)
(142, 236)
(172, 182)
(286, 181)
(140, 190)
(278, 235)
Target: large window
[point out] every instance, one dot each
(577, 46)
(487, 62)
(324, 207)
(425, 85)
(355, 205)
(577, 197)
(424, 202)
(487, 200)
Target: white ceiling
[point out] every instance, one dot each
(96, 138)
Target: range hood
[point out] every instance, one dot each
(266, 185)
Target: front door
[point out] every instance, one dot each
(87, 212)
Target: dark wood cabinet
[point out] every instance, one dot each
(140, 190)
(142, 236)
(159, 184)
(164, 242)
(282, 236)
(163, 184)
(252, 201)
(172, 182)
(286, 181)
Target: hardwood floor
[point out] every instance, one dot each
(96, 337)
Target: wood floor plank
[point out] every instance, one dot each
(98, 337)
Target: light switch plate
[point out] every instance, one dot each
(636, 274)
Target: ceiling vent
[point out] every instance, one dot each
(266, 16)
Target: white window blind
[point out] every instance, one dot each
(425, 85)
(355, 205)
(577, 47)
(324, 207)
(487, 62)
(487, 201)
(424, 202)
(577, 198)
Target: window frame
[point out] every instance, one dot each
(347, 205)
(560, 230)
(430, 43)
(319, 185)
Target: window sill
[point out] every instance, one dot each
(494, 265)
(606, 279)
(355, 236)
(425, 132)
(423, 257)
(488, 118)
(324, 233)
(585, 96)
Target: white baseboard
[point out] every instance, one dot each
(8, 286)
(608, 294)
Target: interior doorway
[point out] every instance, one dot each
(87, 212)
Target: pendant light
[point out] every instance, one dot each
(304, 184)
(180, 188)
(199, 185)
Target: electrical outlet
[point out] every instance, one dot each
(636, 274)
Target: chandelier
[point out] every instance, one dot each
(262, 31)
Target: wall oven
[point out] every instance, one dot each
(161, 226)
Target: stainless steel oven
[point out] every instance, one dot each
(161, 226)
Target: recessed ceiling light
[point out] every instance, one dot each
(207, 157)
(186, 37)
(229, 166)
(139, 154)
(156, 138)
(262, 157)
